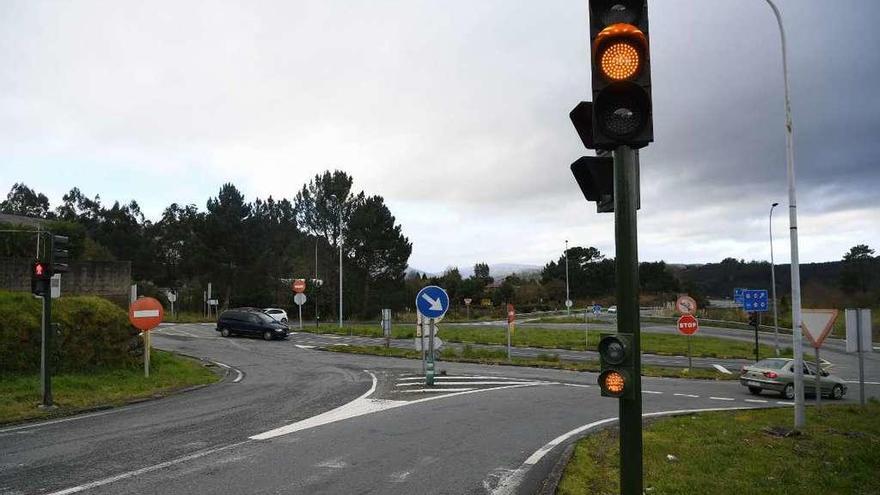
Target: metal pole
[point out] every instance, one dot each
(147, 344)
(46, 357)
(627, 273)
(508, 340)
(300, 306)
(567, 297)
(316, 281)
(586, 330)
(773, 285)
(690, 362)
(429, 376)
(796, 317)
(340, 267)
(861, 356)
(818, 384)
(757, 324)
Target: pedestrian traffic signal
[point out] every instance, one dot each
(616, 364)
(40, 277)
(60, 255)
(595, 177)
(621, 69)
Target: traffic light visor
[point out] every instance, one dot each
(620, 50)
(612, 382)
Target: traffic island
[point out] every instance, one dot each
(736, 452)
(77, 392)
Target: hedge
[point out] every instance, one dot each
(91, 332)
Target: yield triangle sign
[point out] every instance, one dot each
(817, 324)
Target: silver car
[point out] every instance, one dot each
(777, 374)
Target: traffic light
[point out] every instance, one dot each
(621, 67)
(616, 364)
(40, 276)
(595, 177)
(60, 255)
(753, 319)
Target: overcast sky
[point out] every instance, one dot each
(456, 112)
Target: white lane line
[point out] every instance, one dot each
(575, 385)
(785, 403)
(756, 401)
(651, 392)
(866, 382)
(304, 346)
(415, 384)
(148, 469)
(56, 421)
(509, 483)
(721, 398)
(692, 396)
(418, 390)
(722, 369)
(467, 377)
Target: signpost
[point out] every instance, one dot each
(738, 297)
(467, 308)
(686, 305)
(432, 303)
(858, 339)
(756, 302)
(688, 325)
(817, 324)
(300, 299)
(386, 326)
(145, 314)
(511, 324)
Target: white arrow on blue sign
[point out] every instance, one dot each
(597, 309)
(755, 300)
(432, 301)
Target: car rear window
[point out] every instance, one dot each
(274, 311)
(773, 364)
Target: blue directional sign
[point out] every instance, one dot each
(597, 309)
(738, 296)
(432, 301)
(755, 300)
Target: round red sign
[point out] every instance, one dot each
(146, 313)
(688, 325)
(299, 285)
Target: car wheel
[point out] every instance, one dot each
(283, 320)
(788, 391)
(267, 335)
(225, 332)
(755, 390)
(837, 392)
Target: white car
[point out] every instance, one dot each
(277, 313)
(612, 309)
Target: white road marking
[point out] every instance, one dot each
(56, 421)
(785, 403)
(468, 377)
(692, 396)
(722, 369)
(237, 378)
(418, 390)
(866, 382)
(650, 392)
(399, 477)
(148, 469)
(414, 384)
(756, 401)
(721, 398)
(304, 346)
(575, 385)
(510, 481)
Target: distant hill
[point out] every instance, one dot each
(497, 271)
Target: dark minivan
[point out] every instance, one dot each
(246, 321)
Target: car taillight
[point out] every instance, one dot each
(770, 374)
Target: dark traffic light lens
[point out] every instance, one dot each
(622, 111)
(614, 11)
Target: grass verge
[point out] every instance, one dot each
(73, 392)
(738, 452)
(499, 357)
(651, 343)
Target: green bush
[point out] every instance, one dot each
(91, 332)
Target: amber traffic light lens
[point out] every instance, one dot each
(620, 61)
(613, 382)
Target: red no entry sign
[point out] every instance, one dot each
(688, 325)
(299, 285)
(146, 313)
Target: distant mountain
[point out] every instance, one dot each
(497, 271)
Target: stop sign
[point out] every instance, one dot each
(146, 313)
(688, 325)
(299, 285)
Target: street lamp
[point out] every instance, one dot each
(339, 241)
(567, 298)
(796, 318)
(773, 284)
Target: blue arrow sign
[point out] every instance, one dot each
(755, 300)
(432, 301)
(738, 296)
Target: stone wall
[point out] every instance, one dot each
(108, 279)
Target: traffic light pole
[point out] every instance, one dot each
(45, 357)
(627, 267)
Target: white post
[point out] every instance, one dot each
(147, 344)
(796, 317)
(773, 285)
(340, 266)
(567, 297)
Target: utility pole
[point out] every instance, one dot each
(567, 297)
(773, 285)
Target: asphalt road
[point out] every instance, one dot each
(292, 420)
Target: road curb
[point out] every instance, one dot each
(551, 483)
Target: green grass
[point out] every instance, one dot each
(731, 453)
(569, 319)
(72, 392)
(499, 357)
(188, 317)
(652, 343)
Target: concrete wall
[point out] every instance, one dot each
(109, 279)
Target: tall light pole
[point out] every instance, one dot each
(796, 318)
(567, 298)
(773, 285)
(339, 241)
